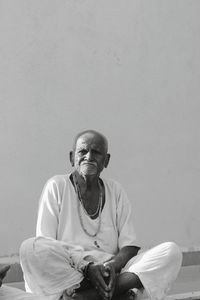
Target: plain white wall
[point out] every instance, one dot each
(129, 69)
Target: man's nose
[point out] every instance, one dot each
(89, 155)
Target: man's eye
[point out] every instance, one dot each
(82, 152)
(96, 152)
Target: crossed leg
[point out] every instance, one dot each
(47, 267)
(154, 270)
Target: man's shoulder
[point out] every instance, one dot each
(58, 180)
(112, 183)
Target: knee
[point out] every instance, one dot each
(173, 253)
(26, 244)
(26, 248)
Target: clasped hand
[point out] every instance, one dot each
(102, 277)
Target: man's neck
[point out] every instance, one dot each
(86, 182)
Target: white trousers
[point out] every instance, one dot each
(52, 267)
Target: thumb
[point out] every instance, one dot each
(106, 271)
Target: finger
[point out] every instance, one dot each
(109, 273)
(112, 282)
(98, 283)
(104, 294)
(111, 278)
(103, 271)
(106, 274)
(102, 284)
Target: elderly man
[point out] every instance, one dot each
(86, 246)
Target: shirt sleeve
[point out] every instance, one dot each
(48, 211)
(125, 221)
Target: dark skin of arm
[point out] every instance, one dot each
(103, 276)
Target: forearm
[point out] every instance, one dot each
(123, 256)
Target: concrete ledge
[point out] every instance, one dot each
(185, 296)
(191, 258)
(15, 273)
(18, 285)
(188, 280)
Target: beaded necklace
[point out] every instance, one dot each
(80, 203)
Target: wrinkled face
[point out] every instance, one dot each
(90, 155)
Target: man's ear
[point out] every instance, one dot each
(107, 160)
(71, 158)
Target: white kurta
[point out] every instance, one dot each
(58, 217)
(52, 261)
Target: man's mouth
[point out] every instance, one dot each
(89, 163)
(88, 168)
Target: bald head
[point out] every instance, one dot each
(92, 133)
